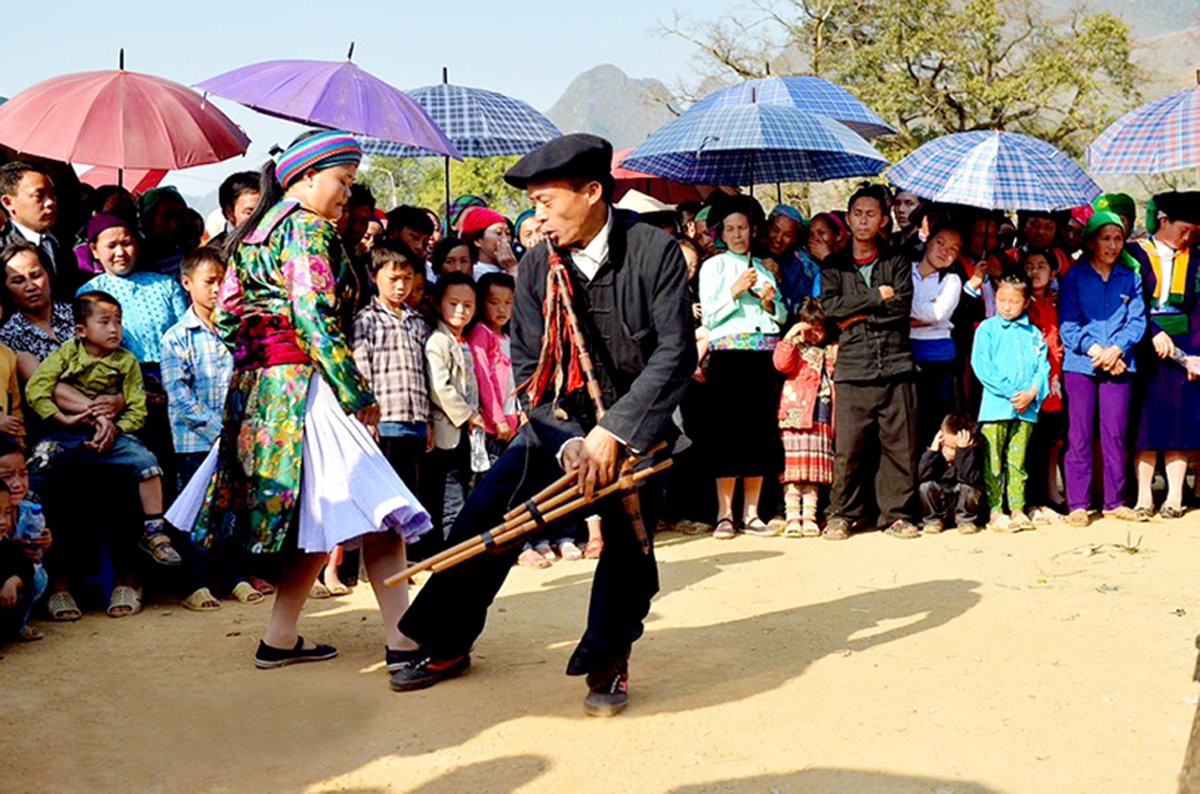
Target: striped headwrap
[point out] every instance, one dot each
(320, 151)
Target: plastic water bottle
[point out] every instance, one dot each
(36, 526)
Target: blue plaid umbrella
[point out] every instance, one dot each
(1160, 136)
(479, 123)
(754, 144)
(994, 170)
(806, 92)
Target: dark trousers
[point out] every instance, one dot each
(451, 470)
(876, 449)
(938, 394)
(450, 611)
(937, 499)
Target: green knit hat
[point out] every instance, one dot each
(1120, 203)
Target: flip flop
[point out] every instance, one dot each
(62, 607)
(124, 598)
(202, 600)
(245, 593)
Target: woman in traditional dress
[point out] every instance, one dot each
(296, 469)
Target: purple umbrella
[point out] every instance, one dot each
(333, 94)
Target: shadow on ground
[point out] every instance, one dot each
(836, 781)
(123, 710)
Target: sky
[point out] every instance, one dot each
(531, 50)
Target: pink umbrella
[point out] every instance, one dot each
(659, 187)
(119, 119)
(138, 180)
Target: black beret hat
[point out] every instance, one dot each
(1179, 206)
(575, 155)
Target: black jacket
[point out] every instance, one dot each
(877, 346)
(967, 468)
(65, 276)
(637, 318)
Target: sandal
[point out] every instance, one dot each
(1124, 513)
(756, 526)
(593, 548)
(811, 529)
(568, 550)
(125, 601)
(338, 589)
(1146, 513)
(903, 529)
(245, 593)
(695, 527)
(319, 590)
(30, 634)
(1170, 513)
(1020, 521)
(724, 530)
(261, 585)
(531, 559)
(62, 607)
(158, 546)
(794, 528)
(201, 601)
(837, 529)
(1000, 523)
(543, 548)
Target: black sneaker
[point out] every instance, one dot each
(268, 657)
(610, 698)
(425, 671)
(397, 659)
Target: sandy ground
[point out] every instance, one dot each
(1050, 661)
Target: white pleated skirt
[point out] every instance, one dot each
(347, 487)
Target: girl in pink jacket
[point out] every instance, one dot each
(806, 417)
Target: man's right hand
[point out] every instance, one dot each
(594, 458)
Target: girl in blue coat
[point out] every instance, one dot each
(1010, 359)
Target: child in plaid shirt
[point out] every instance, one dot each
(389, 350)
(196, 365)
(196, 371)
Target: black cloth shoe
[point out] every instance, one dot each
(267, 657)
(397, 659)
(426, 671)
(610, 698)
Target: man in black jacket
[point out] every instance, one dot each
(629, 282)
(867, 292)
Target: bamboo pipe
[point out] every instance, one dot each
(475, 546)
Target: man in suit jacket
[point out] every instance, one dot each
(629, 282)
(29, 200)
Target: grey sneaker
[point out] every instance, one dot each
(610, 698)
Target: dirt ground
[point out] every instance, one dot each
(1052, 661)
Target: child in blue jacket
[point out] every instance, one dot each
(1010, 359)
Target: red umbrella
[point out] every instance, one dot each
(138, 180)
(119, 119)
(662, 189)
